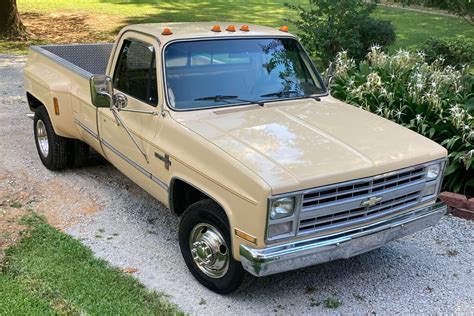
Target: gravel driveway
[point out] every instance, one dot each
(429, 272)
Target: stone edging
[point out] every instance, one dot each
(458, 204)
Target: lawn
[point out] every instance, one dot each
(99, 20)
(50, 273)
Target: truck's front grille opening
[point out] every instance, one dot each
(353, 203)
(344, 192)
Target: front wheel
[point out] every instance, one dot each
(204, 239)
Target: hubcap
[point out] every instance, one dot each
(42, 138)
(209, 250)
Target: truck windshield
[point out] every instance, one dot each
(225, 72)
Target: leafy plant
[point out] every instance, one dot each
(430, 99)
(453, 51)
(327, 26)
(332, 303)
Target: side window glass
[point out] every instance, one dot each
(135, 72)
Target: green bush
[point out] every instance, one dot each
(433, 100)
(375, 31)
(327, 27)
(453, 51)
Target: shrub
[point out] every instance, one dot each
(453, 51)
(329, 26)
(433, 100)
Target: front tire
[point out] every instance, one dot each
(204, 239)
(52, 148)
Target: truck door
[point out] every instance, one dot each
(127, 140)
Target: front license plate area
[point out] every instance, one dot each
(367, 243)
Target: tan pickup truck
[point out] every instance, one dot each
(231, 127)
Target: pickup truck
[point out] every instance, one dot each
(232, 128)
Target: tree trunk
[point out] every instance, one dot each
(10, 23)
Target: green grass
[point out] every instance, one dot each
(49, 272)
(412, 28)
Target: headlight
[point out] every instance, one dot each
(283, 207)
(432, 172)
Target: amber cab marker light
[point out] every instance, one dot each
(244, 28)
(216, 28)
(230, 28)
(284, 28)
(166, 31)
(56, 106)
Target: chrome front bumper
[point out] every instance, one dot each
(303, 253)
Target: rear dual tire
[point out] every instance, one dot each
(56, 152)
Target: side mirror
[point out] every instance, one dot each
(328, 75)
(101, 91)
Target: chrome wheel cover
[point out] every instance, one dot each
(42, 138)
(209, 250)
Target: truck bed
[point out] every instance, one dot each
(84, 59)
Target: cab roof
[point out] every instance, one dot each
(187, 30)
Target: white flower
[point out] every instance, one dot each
(419, 118)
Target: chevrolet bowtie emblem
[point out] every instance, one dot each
(371, 202)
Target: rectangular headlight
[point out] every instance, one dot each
(281, 208)
(433, 171)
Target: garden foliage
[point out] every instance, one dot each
(432, 99)
(451, 51)
(327, 27)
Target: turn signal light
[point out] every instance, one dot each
(56, 106)
(284, 28)
(216, 28)
(166, 31)
(246, 236)
(230, 28)
(244, 28)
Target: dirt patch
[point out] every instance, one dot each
(61, 204)
(64, 27)
(10, 227)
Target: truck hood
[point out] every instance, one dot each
(301, 144)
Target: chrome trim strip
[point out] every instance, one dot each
(87, 129)
(118, 153)
(135, 165)
(308, 252)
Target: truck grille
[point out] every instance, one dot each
(340, 206)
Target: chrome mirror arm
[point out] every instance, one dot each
(120, 122)
(138, 111)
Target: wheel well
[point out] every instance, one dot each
(33, 102)
(182, 195)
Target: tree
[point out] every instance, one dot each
(462, 8)
(328, 26)
(10, 23)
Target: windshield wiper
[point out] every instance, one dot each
(226, 98)
(283, 93)
(288, 94)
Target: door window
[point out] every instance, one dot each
(135, 73)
